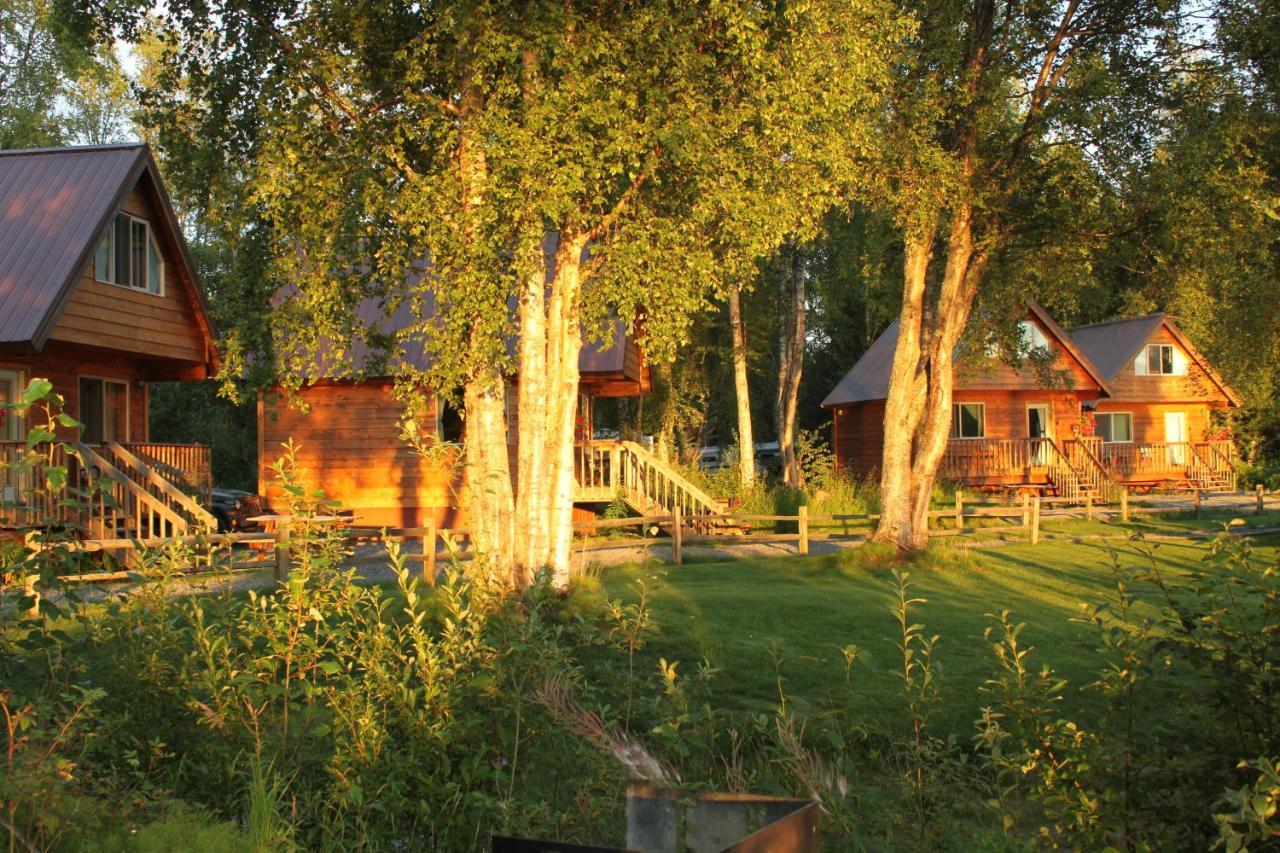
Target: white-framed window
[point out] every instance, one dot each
(1160, 360)
(968, 420)
(129, 256)
(103, 409)
(1114, 427)
(450, 426)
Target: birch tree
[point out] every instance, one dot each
(519, 174)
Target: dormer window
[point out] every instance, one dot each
(1033, 339)
(129, 256)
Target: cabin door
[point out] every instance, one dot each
(1038, 432)
(1175, 432)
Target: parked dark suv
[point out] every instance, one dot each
(233, 508)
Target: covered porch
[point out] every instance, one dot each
(1087, 466)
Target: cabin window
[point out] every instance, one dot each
(129, 256)
(1159, 359)
(450, 427)
(10, 392)
(1114, 426)
(104, 410)
(968, 420)
(1033, 338)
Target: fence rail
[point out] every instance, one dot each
(677, 530)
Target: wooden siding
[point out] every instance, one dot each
(349, 445)
(64, 368)
(1148, 418)
(858, 436)
(1196, 385)
(858, 429)
(113, 317)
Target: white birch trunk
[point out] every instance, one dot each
(742, 391)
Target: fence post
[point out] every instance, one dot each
(677, 537)
(429, 552)
(282, 549)
(1124, 504)
(1261, 492)
(959, 510)
(1026, 511)
(1088, 507)
(804, 529)
(1197, 502)
(1035, 520)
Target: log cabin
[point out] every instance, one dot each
(351, 443)
(1012, 428)
(98, 294)
(1164, 424)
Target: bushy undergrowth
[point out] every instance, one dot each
(334, 715)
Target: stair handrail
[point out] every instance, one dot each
(199, 515)
(708, 504)
(1063, 464)
(153, 504)
(1101, 478)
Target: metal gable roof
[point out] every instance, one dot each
(1114, 344)
(54, 203)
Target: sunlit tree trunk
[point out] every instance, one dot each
(550, 344)
(746, 437)
(790, 369)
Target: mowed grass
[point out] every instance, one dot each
(761, 622)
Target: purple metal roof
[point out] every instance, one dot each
(868, 379)
(53, 205)
(1114, 344)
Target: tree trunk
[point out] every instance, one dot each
(791, 366)
(746, 438)
(550, 344)
(917, 421)
(488, 471)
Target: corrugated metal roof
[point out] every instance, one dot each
(1114, 344)
(53, 205)
(869, 377)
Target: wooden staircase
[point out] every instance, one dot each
(608, 470)
(1084, 455)
(1211, 467)
(132, 500)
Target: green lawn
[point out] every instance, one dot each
(741, 614)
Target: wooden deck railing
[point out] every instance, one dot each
(117, 493)
(985, 457)
(189, 466)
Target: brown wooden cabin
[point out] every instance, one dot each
(1010, 428)
(1164, 422)
(98, 294)
(350, 445)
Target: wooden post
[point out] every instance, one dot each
(1124, 504)
(1261, 492)
(959, 510)
(804, 530)
(29, 590)
(429, 552)
(1035, 520)
(1197, 502)
(1026, 511)
(677, 537)
(282, 550)
(1088, 507)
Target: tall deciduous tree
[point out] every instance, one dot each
(992, 89)
(528, 171)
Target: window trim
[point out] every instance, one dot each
(955, 421)
(128, 404)
(109, 232)
(1173, 370)
(1128, 414)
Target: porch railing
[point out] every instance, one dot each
(608, 469)
(188, 466)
